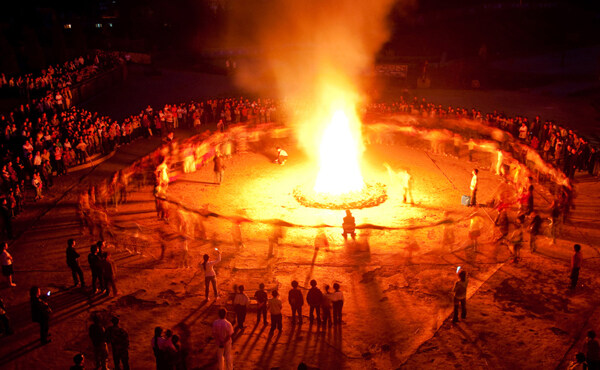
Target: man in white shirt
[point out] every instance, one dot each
(473, 187)
(222, 330)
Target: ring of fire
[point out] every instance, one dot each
(371, 195)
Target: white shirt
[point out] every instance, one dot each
(210, 271)
(336, 296)
(241, 299)
(474, 182)
(282, 153)
(222, 331)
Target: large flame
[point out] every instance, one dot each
(340, 152)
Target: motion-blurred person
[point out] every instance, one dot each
(109, 272)
(534, 231)
(282, 156)
(474, 186)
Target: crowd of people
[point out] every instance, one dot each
(55, 78)
(34, 132)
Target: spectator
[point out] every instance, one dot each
(326, 306)
(337, 300)
(222, 331)
(296, 301)
(349, 226)
(96, 267)
(109, 272)
(40, 313)
(261, 304)
(576, 261)
(314, 298)
(156, 344)
(240, 305)
(473, 187)
(210, 276)
(275, 305)
(7, 264)
(460, 296)
(73, 263)
(78, 359)
(119, 340)
(4, 320)
(98, 336)
(579, 363)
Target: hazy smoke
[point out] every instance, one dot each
(309, 50)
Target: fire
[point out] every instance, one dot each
(340, 152)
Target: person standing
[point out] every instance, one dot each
(337, 300)
(460, 296)
(98, 336)
(473, 187)
(296, 301)
(4, 320)
(261, 299)
(534, 230)
(576, 261)
(349, 226)
(218, 168)
(275, 305)
(591, 348)
(73, 263)
(240, 305)
(109, 272)
(94, 261)
(7, 217)
(314, 298)
(7, 264)
(210, 276)
(78, 360)
(119, 340)
(156, 344)
(222, 331)
(326, 306)
(40, 313)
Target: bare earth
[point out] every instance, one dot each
(396, 283)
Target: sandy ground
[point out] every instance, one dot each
(396, 283)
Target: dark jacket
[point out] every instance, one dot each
(72, 256)
(40, 311)
(314, 297)
(97, 335)
(295, 298)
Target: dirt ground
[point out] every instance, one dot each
(396, 282)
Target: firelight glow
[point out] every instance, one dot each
(339, 170)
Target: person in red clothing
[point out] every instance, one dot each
(576, 261)
(296, 301)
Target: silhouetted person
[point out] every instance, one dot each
(474, 185)
(349, 226)
(7, 264)
(296, 301)
(4, 320)
(78, 360)
(73, 263)
(156, 343)
(98, 337)
(218, 168)
(94, 261)
(314, 298)
(240, 305)
(591, 347)
(460, 296)
(576, 261)
(261, 303)
(40, 313)
(119, 341)
(109, 272)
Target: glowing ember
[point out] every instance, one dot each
(339, 170)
